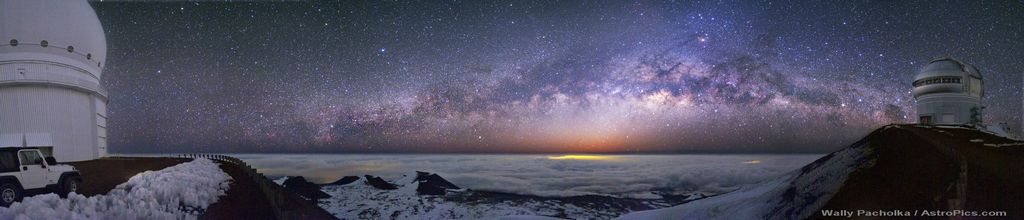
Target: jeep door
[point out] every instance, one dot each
(33, 174)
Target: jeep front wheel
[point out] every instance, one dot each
(70, 185)
(9, 193)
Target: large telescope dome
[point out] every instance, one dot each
(948, 91)
(64, 30)
(51, 57)
(946, 75)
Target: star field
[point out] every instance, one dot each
(538, 76)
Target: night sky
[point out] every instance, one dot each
(538, 76)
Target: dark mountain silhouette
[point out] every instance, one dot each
(937, 168)
(344, 180)
(306, 189)
(432, 184)
(379, 183)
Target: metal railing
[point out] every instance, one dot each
(275, 194)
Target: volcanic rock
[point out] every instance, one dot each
(344, 180)
(306, 189)
(432, 184)
(379, 183)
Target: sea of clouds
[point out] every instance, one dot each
(618, 175)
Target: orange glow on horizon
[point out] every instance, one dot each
(580, 157)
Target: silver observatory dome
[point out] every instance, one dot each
(947, 75)
(948, 91)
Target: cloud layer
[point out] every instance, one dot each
(626, 175)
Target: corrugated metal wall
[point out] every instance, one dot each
(44, 96)
(68, 115)
(101, 126)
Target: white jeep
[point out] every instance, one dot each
(24, 171)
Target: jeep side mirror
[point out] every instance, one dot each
(51, 161)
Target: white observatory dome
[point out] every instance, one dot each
(946, 75)
(51, 57)
(70, 30)
(948, 91)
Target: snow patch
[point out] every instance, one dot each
(280, 181)
(182, 191)
(1001, 130)
(407, 185)
(1004, 145)
(952, 127)
(522, 217)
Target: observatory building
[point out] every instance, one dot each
(948, 91)
(51, 57)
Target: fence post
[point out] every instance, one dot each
(270, 190)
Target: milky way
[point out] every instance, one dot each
(543, 76)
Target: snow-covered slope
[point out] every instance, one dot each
(182, 191)
(897, 167)
(521, 217)
(792, 196)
